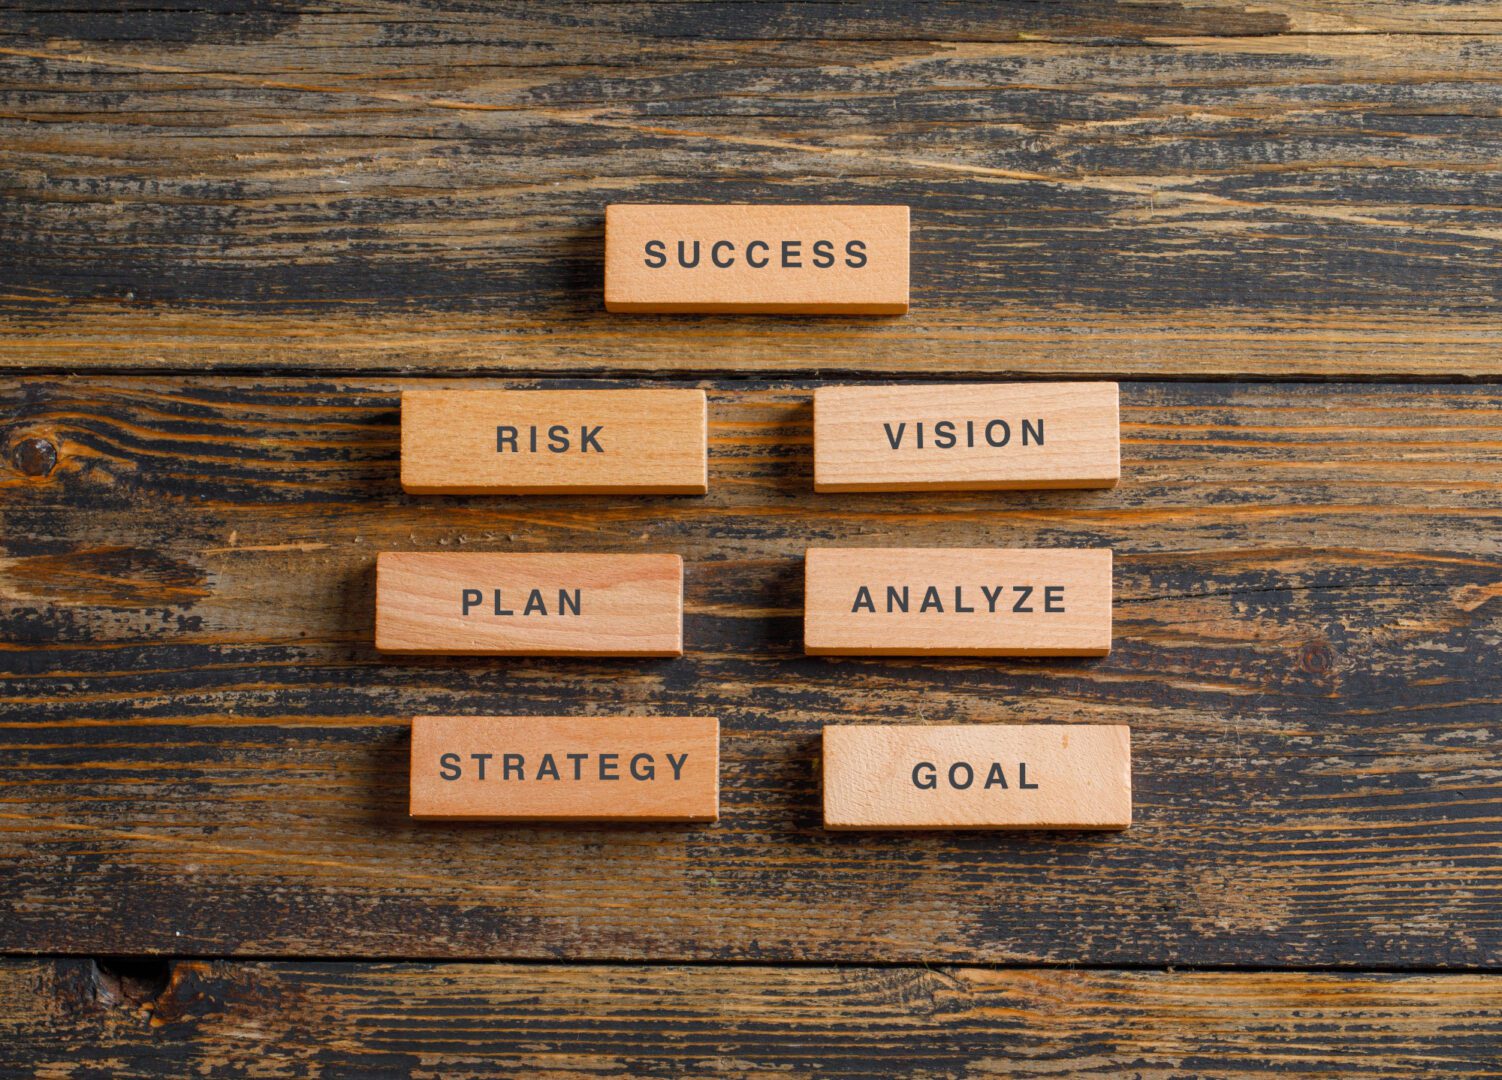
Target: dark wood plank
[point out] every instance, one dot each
(228, 1019)
(203, 755)
(1205, 189)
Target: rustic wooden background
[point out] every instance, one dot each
(231, 232)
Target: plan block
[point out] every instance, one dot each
(473, 604)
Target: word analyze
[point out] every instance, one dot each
(957, 601)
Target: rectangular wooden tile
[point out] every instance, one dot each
(482, 604)
(987, 436)
(524, 442)
(566, 768)
(957, 601)
(791, 260)
(978, 776)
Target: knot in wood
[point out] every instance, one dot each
(1317, 658)
(34, 456)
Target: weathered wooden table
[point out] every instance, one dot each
(233, 231)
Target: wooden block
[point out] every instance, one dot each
(978, 776)
(529, 604)
(526, 442)
(957, 602)
(788, 260)
(984, 437)
(566, 768)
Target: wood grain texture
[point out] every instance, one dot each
(203, 754)
(648, 441)
(967, 437)
(1286, 189)
(565, 1022)
(977, 776)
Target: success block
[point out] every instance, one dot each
(789, 260)
(474, 604)
(560, 768)
(978, 776)
(990, 436)
(526, 442)
(957, 602)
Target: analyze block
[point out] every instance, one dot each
(978, 776)
(984, 437)
(789, 260)
(503, 604)
(957, 602)
(562, 768)
(527, 442)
